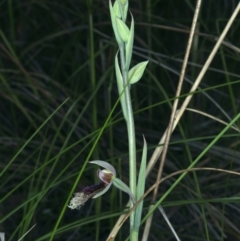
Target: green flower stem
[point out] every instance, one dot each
(131, 130)
(134, 234)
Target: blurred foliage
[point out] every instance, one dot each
(45, 59)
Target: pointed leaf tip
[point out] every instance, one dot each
(136, 72)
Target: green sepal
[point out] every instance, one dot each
(129, 44)
(141, 184)
(136, 72)
(123, 30)
(103, 191)
(123, 187)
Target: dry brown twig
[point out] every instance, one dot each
(178, 115)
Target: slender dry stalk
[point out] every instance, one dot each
(173, 114)
(179, 114)
(26, 232)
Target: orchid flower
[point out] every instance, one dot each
(107, 177)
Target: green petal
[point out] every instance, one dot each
(103, 191)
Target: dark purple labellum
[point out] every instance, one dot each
(94, 189)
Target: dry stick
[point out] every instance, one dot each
(168, 222)
(158, 150)
(26, 232)
(170, 126)
(175, 104)
(126, 216)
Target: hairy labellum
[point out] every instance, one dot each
(94, 189)
(80, 198)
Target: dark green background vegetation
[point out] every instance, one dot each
(45, 58)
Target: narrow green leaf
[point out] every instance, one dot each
(114, 24)
(121, 90)
(136, 72)
(129, 45)
(118, 183)
(123, 30)
(141, 185)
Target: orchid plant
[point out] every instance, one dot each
(125, 77)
